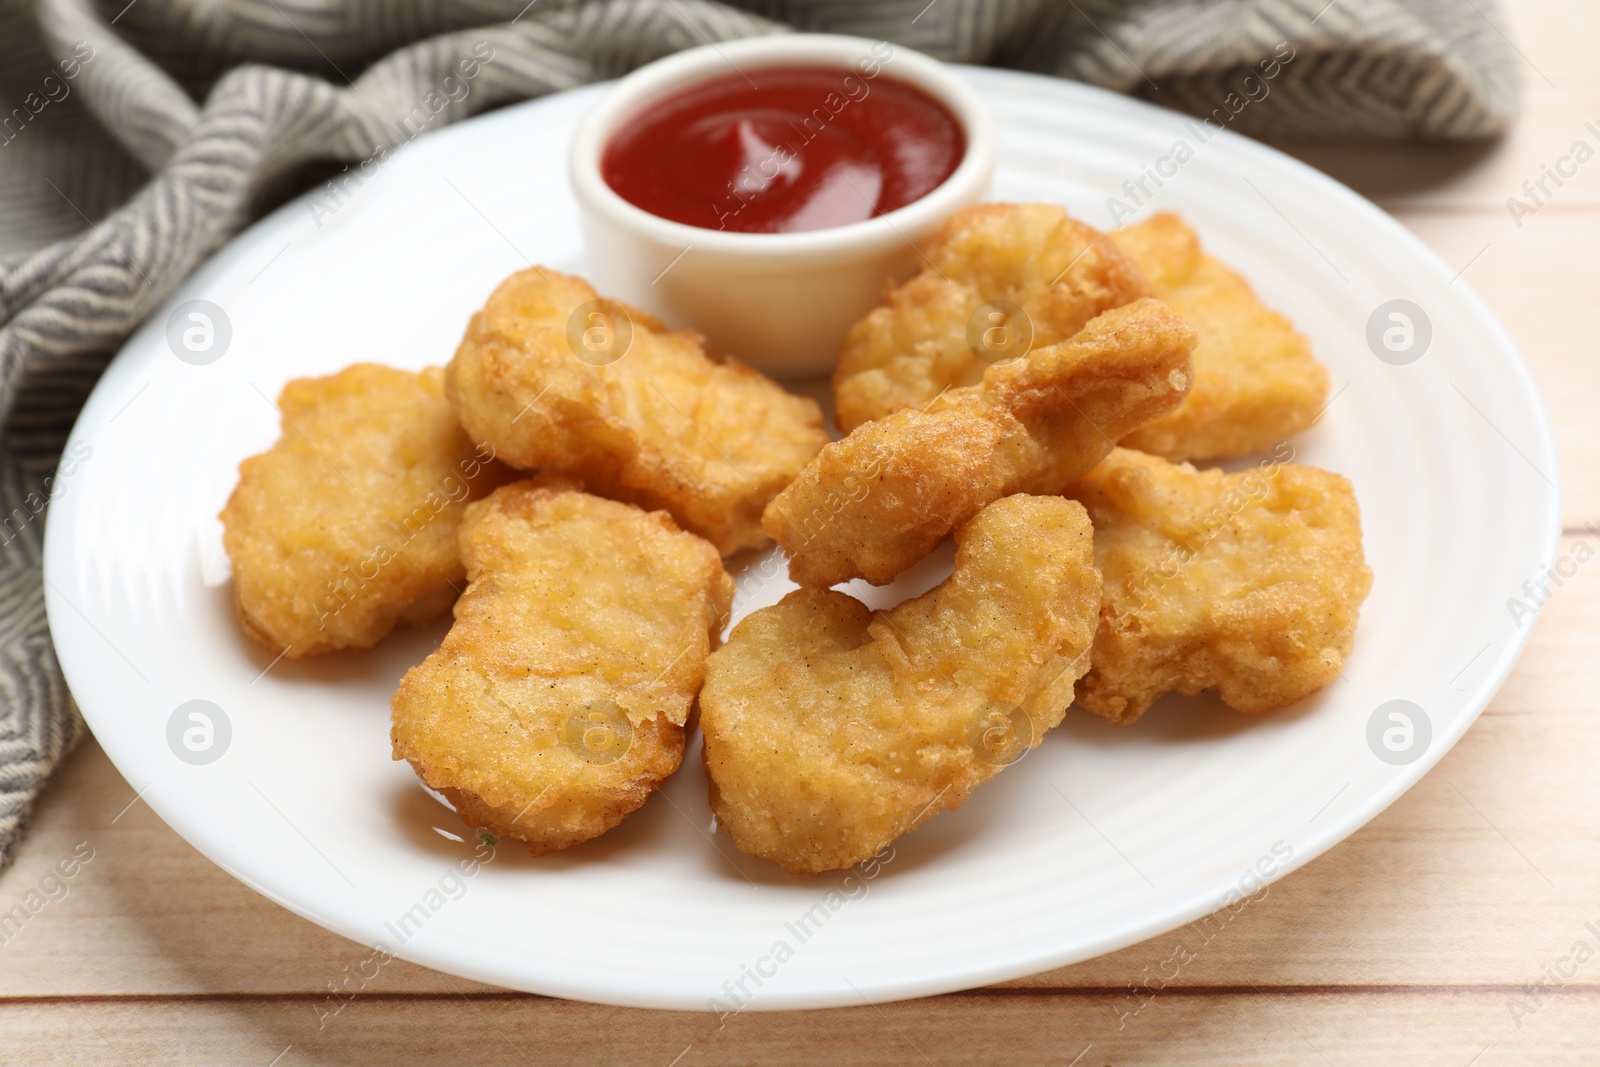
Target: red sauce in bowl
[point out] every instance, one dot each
(785, 150)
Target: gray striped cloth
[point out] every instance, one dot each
(136, 136)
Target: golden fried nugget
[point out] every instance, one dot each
(348, 524)
(1248, 583)
(552, 379)
(556, 704)
(926, 338)
(1255, 379)
(830, 730)
(874, 503)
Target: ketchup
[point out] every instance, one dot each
(785, 150)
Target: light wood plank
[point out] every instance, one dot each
(1444, 1028)
(1430, 893)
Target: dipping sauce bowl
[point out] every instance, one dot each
(766, 191)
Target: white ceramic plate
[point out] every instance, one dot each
(1102, 837)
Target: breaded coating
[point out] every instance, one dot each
(1256, 381)
(1058, 271)
(1247, 583)
(347, 526)
(643, 416)
(874, 503)
(830, 730)
(556, 704)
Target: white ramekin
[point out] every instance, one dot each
(781, 302)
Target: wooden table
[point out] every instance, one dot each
(1423, 939)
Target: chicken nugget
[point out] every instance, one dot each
(1255, 379)
(877, 501)
(1000, 277)
(1247, 583)
(556, 704)
(347, 526)
(830, 730)
(554, 378)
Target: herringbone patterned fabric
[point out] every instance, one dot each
(135, 138)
